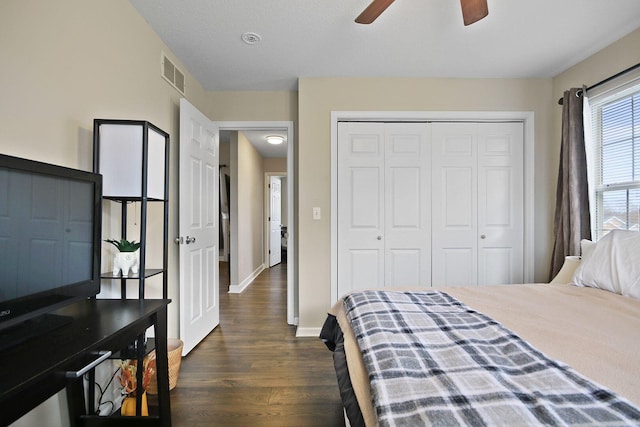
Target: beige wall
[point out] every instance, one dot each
(252, 106)
(68, 62)
(250, 199)
(274, 164)
(319, 96)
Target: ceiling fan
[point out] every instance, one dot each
(472, 11)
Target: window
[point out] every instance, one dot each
(615, 170)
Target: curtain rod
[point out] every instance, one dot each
(608, 79)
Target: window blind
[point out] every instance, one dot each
(615, 172)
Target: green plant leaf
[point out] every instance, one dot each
(124, 245)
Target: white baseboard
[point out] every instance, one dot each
(308, 332)
(237, 289)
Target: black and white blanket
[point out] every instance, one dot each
(434, 361)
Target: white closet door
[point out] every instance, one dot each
(478, 200)
(455, 199)
(407, 210)
(360, 206)
(383, 205)
(501, 203)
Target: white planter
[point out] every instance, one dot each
(125, 262)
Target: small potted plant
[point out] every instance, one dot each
(126, 259)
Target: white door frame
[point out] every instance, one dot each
(526, 117)
(292, 286)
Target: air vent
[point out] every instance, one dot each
(172, 74)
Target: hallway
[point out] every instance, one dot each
(252, 371)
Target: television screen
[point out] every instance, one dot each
(50, 226)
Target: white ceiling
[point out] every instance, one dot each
(412, 38)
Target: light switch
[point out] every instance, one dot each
(317, 213)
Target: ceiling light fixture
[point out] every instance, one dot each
(275, 139)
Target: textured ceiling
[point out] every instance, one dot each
(412, 38)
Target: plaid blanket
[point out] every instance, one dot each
(434, 361)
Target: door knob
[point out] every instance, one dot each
(379, 237)
(187, 240)
(483, 236)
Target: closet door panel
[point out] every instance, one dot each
(403, 267)
(365, 203)
(361, 273)
(497, 265)
(457, 266)
(383, 205)
(360, 206)
(501, 203)
(407, 234)
(454, 199)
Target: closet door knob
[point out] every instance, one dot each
(379, 237)
(483, 236)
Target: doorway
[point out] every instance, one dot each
(280, 128)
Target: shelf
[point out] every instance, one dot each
(132, 199)
(148, 272)
(133, 158)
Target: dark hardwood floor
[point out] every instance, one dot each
(252, 370)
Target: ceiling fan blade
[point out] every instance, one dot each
(473, 10)
(373, 11)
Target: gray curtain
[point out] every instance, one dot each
(572, 218)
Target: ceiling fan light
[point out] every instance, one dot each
(275, 139)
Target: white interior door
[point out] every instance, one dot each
(478, 199)
(198, 226)
(275, 221)
(383, 205)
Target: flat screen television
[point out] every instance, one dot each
(50, 231)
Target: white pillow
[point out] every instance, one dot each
(612, 264)
(586, 246)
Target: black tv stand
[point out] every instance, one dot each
(32, 328)
(37, 368)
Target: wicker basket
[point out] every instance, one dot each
(174, 354)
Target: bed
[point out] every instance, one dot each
(563, 353)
